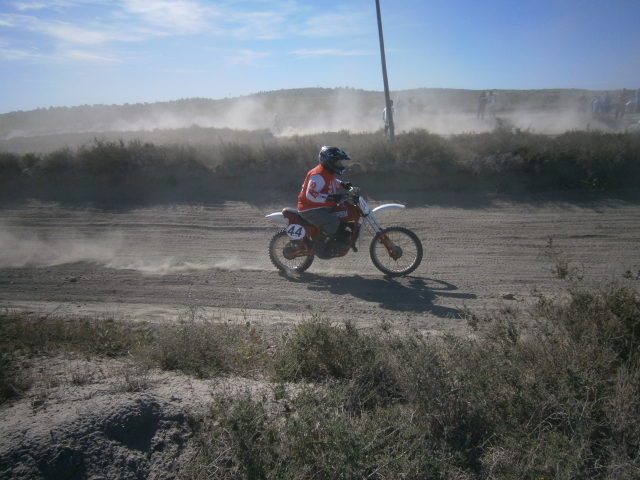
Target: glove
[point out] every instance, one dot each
(346, 185)
(336, 197)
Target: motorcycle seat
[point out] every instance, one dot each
(295, 212)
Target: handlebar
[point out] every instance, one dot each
(353, 195)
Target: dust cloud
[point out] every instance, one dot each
(172, 266)
(312, 111)
(353, 117)
(20, 248)
(24, 249)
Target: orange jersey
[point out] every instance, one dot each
(318, 184)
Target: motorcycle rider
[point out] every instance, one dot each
(319, 195)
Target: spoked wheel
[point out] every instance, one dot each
(282, 253)
(396, 251)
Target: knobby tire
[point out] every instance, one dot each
(411, 251)
(297, 264)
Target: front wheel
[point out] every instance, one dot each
(282, 251)
(396, 251)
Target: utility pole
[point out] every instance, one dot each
(387, 98)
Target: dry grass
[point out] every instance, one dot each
(194, 348)
(551, 392)
(552, 398)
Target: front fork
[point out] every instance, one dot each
(394, 250)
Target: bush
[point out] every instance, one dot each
(9, 165)
(57, 162)
(576, 160)
(25, 333)
(318, 350)
(550, 392)
(209, 349)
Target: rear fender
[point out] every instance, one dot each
(279, 218)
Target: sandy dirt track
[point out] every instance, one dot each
(167, 262)
(162, 262)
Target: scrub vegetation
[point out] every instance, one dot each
(507, 160)
(552, 391)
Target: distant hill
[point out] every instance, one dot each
(299, 111)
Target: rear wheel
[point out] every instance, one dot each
(396, 251)
(282, 253)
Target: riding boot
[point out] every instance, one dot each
(319, 248)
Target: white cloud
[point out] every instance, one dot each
(58, 5)
(333, 52)
(257, 25)
(84, 29)
(16, 21)
(17, 54)
(81, 55)
(334, 25)
(179, 15)
(73, 34)
(21, 6)
(244, 57)
(38, 5)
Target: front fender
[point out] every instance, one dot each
(279, 218)
(386, 206)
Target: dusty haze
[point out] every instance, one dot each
(301, 111)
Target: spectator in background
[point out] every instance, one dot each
(275, 126)
(622, 103)
(493, 100)
(596, 106)
(385, 118)
(582, 104)
(482, 103)
(605, 106)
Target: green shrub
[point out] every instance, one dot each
(552, 392)
(318, 350)
(208, 349)
(574, 159)
(9, 165)
(57, 162)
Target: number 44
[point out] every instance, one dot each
(296, 231)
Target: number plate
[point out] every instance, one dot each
(296, 232)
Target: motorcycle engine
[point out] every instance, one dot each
(339, 246)
(335, 249)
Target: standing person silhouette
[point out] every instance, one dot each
(493, 100)
(582, 104)
(622, 103)
(605, 106)
(482, 103)
(385, 117)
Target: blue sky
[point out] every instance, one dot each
(75, 52)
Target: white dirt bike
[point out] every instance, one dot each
(394, 251)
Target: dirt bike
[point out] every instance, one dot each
(394, 251)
